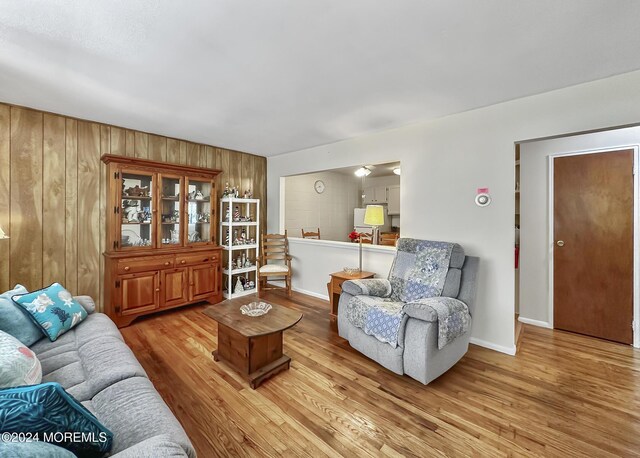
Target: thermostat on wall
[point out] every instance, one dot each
(482, 197)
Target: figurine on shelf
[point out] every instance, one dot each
(248, 194)
(130, 211)
(247, 263)
(196, 195)
(227, 215)
(137, 191)
(252, 284)
(227, 190)
(239, 287)
(176, 216)
(236, 213)
(243, 234)
(226, 238)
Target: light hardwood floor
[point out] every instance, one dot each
(561, 395)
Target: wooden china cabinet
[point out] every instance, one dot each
(161, 237)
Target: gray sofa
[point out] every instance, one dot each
(93, 364)
(417, 353)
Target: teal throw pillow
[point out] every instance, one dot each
(53, 309)
(48, 413)
(14, 320)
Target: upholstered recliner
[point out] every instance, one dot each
(417, 352)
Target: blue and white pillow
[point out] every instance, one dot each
(14, 320)
(55, 416)
(53, 309)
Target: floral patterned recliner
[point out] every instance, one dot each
(416, 322)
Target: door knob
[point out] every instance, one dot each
(560, 243)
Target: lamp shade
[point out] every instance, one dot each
(3, 235)
(374, 215)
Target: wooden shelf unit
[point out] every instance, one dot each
(170, 258)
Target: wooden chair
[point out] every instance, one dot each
(389, 238)
(310, 235)
(274, 247)
(366, 237)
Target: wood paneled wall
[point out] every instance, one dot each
(53, 192)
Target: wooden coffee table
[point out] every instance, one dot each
(252, 345)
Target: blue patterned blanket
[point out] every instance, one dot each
(452, 315)
(383, 318)
(378, 317)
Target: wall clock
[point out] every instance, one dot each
(319, 186)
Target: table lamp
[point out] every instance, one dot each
(3, 235)
(374, 216)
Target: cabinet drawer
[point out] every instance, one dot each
(192, 259)
(127, 266)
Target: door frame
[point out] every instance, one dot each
(636, 230)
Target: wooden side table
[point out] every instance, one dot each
(335, 287)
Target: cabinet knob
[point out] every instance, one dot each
(157, 290)
(183, 262)
(167, 263)
(127, 268)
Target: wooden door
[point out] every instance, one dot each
(139, 292)
(593, 244)
(175, 287)
(172, 214)
(199, 211)
(203, 281)
(136, 208)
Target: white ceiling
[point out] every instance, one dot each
(377, 170)
(274, 76)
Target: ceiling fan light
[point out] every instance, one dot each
(396, 170)
(362, 172)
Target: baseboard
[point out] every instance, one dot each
(310, 293)
(542, 324)
(502, 349)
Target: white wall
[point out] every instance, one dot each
(331, 211)
(445, 160)
(314, 260)
(535, 248)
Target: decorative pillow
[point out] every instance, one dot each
(18, 365)
(55, 416)
(429, 272)
(87, 303)
(53, 309)
(14, 321)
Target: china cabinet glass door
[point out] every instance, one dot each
(136, 210)
(198, 211)
(170, 211)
